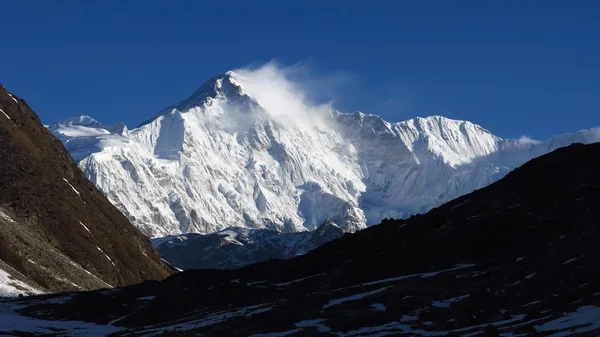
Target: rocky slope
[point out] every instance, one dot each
(237, 247)
(57, 231)
(246, 150)
(516, 258)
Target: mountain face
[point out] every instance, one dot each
(516, 258)
(245, 153)
(57, 231)
(237, 247)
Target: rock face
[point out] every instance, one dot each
(243, 151)
(237, 247)
(57, 231)
(518, 257)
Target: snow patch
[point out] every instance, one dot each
(378, 307)
(314, 323)
(5, 114)
(355, 297)
(84, 226)
(12, 287)
(13, 98)
(107, 257)
(446, 303)
(6, 217)
(73, 188)
(585, 319)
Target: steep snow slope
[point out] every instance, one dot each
(246, 150)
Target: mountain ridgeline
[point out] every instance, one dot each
(57, 231)
(242, 153)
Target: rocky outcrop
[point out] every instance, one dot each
(57, 231)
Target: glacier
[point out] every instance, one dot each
(247, 150)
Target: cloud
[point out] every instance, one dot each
(526, 140)
(289, 94)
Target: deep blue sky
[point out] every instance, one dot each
(515, 67)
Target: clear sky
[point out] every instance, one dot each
(515, 67)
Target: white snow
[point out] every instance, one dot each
(585, 319)
(73, 188)
(12, 287)
(13, 322)
(13, 98)
(530, 276)
(519, 259)
(247, 150)
(84, 226)
(6, 217)
(107, 257)
(7, 116)
(355, 297)
(571, 260)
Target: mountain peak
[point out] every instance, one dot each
(82, 120)
(224, 86)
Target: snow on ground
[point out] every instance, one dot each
(355, 297)
(585, 319)
(207, 321)
(421, 275)
(11, 287)
(295, 281)
(12, 322)
(7, 116)
(6, 217)
(14, 99)
(109, 259)
(81, 131)
(76, 191)
(84, 226)
(145, 298)
(571, 260)
(446, 303)
(314, 323)
(378, 307)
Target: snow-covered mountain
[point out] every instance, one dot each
(246, 150)
(237, 247)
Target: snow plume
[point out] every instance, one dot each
(281, 97)
(526, 140)
(594, 135)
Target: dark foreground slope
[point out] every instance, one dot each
(516, 258)
(58, 232)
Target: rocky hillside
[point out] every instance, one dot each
(57, 231)
(516, 258)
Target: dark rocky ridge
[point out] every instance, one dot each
(64, 234)
(237, 247)
(518, 257)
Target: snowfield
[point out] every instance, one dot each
(247, 150)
